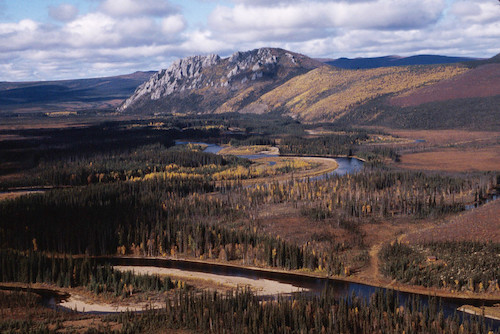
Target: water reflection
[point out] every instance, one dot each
(314, 285)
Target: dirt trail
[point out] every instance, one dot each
(373, 268)
(371, 272)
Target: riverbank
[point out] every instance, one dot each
(250, 150)
(83, 301)
(83, 304)
(424, 291)
(267, 277)
(326, 156)
(324, 166)
(487, 312)
(393, 285)
(260, 287)
(262, 281)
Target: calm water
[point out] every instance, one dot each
(314, 285)
(346, 165)
(482, 202)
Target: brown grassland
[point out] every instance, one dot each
(445, 137)
(448, 150)
(483, 81)
(479, 224)
(454, 160)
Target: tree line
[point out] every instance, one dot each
(242, 312)
(373, 193)
(125, 165)
(454, 265)
(67, 271)
(155, 217)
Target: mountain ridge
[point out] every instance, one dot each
(78, 94)
(271, 80)
(275, 80)
(205, 84)
(394, 60)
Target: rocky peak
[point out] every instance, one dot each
(256, 61)
(167, 81)
(220, 76)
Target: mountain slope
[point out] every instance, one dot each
(276, 80)
(390, 61)
(483, 81)
(69, 94)
(328, 93)
(426, 96)
(210, 84)
(470, 100)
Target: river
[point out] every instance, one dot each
(313, 285)
(346, 165)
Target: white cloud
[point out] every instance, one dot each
(203, 42)
(173, 24)
(120, 8)
(381, 14)
(465, 8)
(98, 29)
(93, 29)
(136, 29)
(301, 21)
(476, 11)
(34, 51)
(270, 3)
(20, 35)
(17, 27)
(64, 12)
(120, 36)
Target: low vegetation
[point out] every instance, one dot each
(329, 93)
(458, 266)
(476, 114)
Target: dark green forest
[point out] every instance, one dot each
(68, 271)
(461, 266)
(241, 312)
(125, 188)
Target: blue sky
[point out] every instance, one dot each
(61, 39)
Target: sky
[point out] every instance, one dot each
(70, 39)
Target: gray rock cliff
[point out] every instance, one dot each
(203, 83)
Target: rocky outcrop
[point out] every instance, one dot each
(205, 83)
(183, 74)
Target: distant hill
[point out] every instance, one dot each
(389, 61)
(69, 95)
(482, 81)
